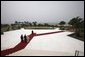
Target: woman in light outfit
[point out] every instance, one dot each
(27, 38)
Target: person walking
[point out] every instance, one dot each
(21, 38)
(32, 32)
(25, 38)
(28, 39)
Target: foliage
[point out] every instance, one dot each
(77, 24)
(62, 23)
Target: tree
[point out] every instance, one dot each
(82, 24)
(40, 24)
(8, 27)
(30, 23)
(16, 22)
(34, 23)
(46, 24)
(62, 23)
(76, 23)
(72, 22)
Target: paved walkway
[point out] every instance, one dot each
(22, 45)
(18, 47)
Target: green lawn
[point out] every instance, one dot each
(81, 37)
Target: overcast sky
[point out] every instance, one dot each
(40, 11)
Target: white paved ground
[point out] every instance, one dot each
(12, 38)
(57, 44)
(29, 52)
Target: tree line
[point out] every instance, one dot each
(76, 24)
(26, 23)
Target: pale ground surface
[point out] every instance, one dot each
(27, 52)
(58, 44)
(12, 38)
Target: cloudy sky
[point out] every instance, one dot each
(40, 11)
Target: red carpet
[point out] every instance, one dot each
(22, 45)
(18, 47)
(48, 33)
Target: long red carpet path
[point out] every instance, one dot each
(18, 47)
(48, 33)
(22, 45)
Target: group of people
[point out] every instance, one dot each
(25, 38)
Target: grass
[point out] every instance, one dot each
(38, 27)
(3, 29)
(81, 37)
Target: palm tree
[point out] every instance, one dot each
(34, 23)
(72, 22)
(76, 23)
(30, 23)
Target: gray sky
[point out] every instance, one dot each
(40, 11)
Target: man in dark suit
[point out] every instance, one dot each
(21, 38)
(32, 32)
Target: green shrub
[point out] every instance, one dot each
(62, 28)
(2, 33)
